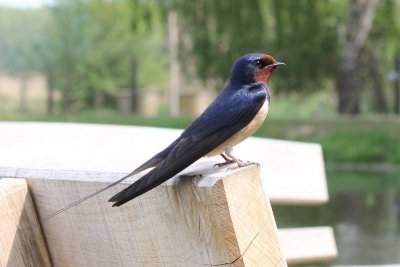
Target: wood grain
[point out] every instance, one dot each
(219, 219)
(21, 240)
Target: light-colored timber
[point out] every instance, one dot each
(306, 245)
(21, 240)
(219, 219)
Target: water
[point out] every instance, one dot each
(364, 211)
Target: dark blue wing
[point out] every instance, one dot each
(228, 114)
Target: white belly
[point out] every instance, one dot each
(245, 132)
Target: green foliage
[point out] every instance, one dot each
(92, 50)
(215, 33)
(221, 31)
(301, 33)
(353, 141)
(385, 32)
(347, 145)
(97, 53)
(366, 182)
(86, 47)
(20, 40)
(384, 40)
(306, 37)
(152, 60)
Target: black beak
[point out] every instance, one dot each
(277, 64)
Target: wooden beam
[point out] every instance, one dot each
(221, 218)
(307, 245)
(21, 240)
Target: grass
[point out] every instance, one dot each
(374, 139)
(344, 140)
(361, 182)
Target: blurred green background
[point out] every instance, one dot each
(158, 63)
(120, 62)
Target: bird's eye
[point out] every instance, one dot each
(259, 64)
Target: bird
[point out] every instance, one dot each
(236, 113)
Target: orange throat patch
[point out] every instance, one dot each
(263, 75)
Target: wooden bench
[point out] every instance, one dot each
(65, 156)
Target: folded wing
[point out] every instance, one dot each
(218, 123)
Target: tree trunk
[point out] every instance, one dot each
(348, 77)
(99, 99)
(66, 101)
(50, 95)
(23, 101)
(173, 39)
(134, 86)
(396, 83)
(1, 95)
(379, 103)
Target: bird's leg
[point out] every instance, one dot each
(227, 159)
(240, 163)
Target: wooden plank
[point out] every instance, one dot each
(221, 218)
(21, 240)
(293, 172)
(306, 245)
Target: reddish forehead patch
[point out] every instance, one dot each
(268, 58)
(264, 74)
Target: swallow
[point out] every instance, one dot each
(236, 113)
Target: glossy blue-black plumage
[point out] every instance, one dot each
(231, 111)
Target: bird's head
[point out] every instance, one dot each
(254, 67)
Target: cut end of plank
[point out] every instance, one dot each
(21, 240)
(306, 245)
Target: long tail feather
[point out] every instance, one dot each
(84, 198)
(154, 161)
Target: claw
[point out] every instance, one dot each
(222, 164)
(241, 164)
(229, 159)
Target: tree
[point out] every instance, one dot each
(215, 33)
(94, 52)
(349, 82)
(384, 43)
(89, 52)
(19, 39)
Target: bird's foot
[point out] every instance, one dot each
(241, 164)
(229, 159)
(227, 162)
